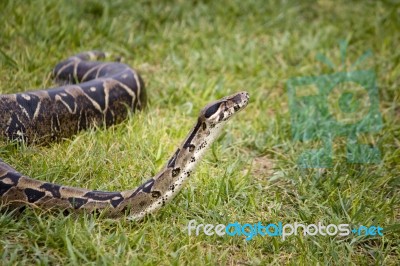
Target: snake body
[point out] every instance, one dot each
(103, 96)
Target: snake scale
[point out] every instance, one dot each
(98, 93)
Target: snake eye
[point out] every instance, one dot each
(212, 110)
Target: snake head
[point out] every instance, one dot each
(223, 109)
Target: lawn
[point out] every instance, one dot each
(190, 53)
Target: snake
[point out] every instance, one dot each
(95, 92)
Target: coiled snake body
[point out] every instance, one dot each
(103, 96)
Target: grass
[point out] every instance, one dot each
(189, 53)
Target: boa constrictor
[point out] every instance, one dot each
(105, 94)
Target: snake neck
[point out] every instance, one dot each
(164, 186)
